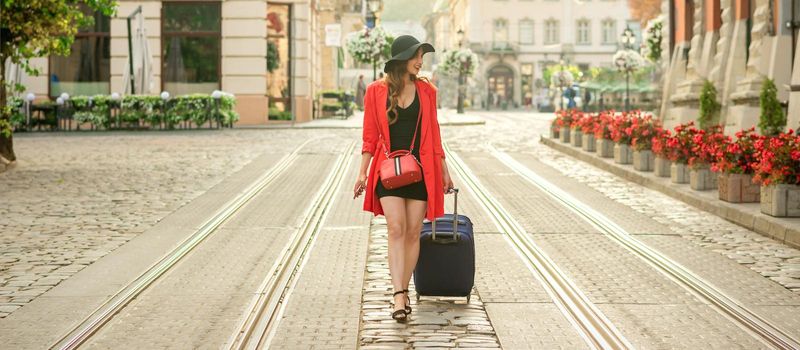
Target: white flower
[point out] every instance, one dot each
(459, 61)
(629, 60)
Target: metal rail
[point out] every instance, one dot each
(728, 306)
(593, 326)
(260, 321)
(103, 314)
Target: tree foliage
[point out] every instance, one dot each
(644, 10)
(38, 28)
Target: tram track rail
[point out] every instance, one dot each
(261, 318)
(761, 328)
(592, 325)
(103, 314)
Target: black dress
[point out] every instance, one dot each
(400, 134)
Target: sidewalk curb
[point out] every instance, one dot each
(747, 215)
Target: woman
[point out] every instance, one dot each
(392, 109)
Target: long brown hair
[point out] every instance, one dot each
(394, 79)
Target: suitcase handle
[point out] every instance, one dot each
(455, 214)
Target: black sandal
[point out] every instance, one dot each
(399, 315)
(408, 303)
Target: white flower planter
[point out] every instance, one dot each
(576, 139)
(780, 200)
(738, 188)
(589, 144)
(604, 148)
(623, 154)
(564, 134)
(679, 173)
(702, 179)
(661, 167)
(643, 160)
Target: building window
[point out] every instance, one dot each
(190, 47)
(583, 34)
(87, 69)
(551, 31)
(609, 29)
(279, 37)
(526, 31)
(500, 34)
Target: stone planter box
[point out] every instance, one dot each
(554, 134)
(564, 135)
(662, 167)
(576, 139)
(738, 188)
(702, 179)
(623, 154)
(643, 160)
(604, 148)
(589, 144)
(679, 173)
(780, 200)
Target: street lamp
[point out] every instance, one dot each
(561, 81)
(28, 102)
(115, 97)
(461, 73)
(373, 8)
(216, 95)
(623, 62)
(165, 99)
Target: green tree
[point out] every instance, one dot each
(37, 28)
(709, 107)
(772, 119)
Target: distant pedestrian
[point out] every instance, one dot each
(403, 105)
(587, 97)
(360, 89)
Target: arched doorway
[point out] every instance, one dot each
(501, 86)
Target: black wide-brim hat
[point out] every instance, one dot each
(404, 47)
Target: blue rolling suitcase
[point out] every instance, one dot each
(446, 265)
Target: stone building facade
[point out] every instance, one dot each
(735, 45)
(199, 46)
(517, 39)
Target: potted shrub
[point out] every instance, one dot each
(555, 127)
(734, 161)
(642, 131)
(680, 147)
(586, 125)
(602, 134)
(777, 169)
(621, 135)
(576, 133)
(658, 144)
(704, 147)
(564, 122)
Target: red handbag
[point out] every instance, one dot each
(401, 168)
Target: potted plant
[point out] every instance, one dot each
(602, 134)
(555, 127)
(705, 143)
(621, 135)
(658, 144)
(564, 120)
(734, 161)
(586, 125)
(680, 147)
(777, 169)
(576, 133)
(642, 131)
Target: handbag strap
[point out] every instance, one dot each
(416, 128)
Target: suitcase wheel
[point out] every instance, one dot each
(468, 296)
(417, 297)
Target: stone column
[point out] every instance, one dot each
(744, 107)
(302, 76)
(717, 72)
(686, 100)
(793, 118)
(244, 62)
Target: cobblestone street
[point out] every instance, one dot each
(251, 238)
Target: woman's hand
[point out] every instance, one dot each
(361, 185)
(447, 182)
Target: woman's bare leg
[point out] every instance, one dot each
(394, 210)
(415, 213)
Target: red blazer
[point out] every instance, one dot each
(430, 152)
